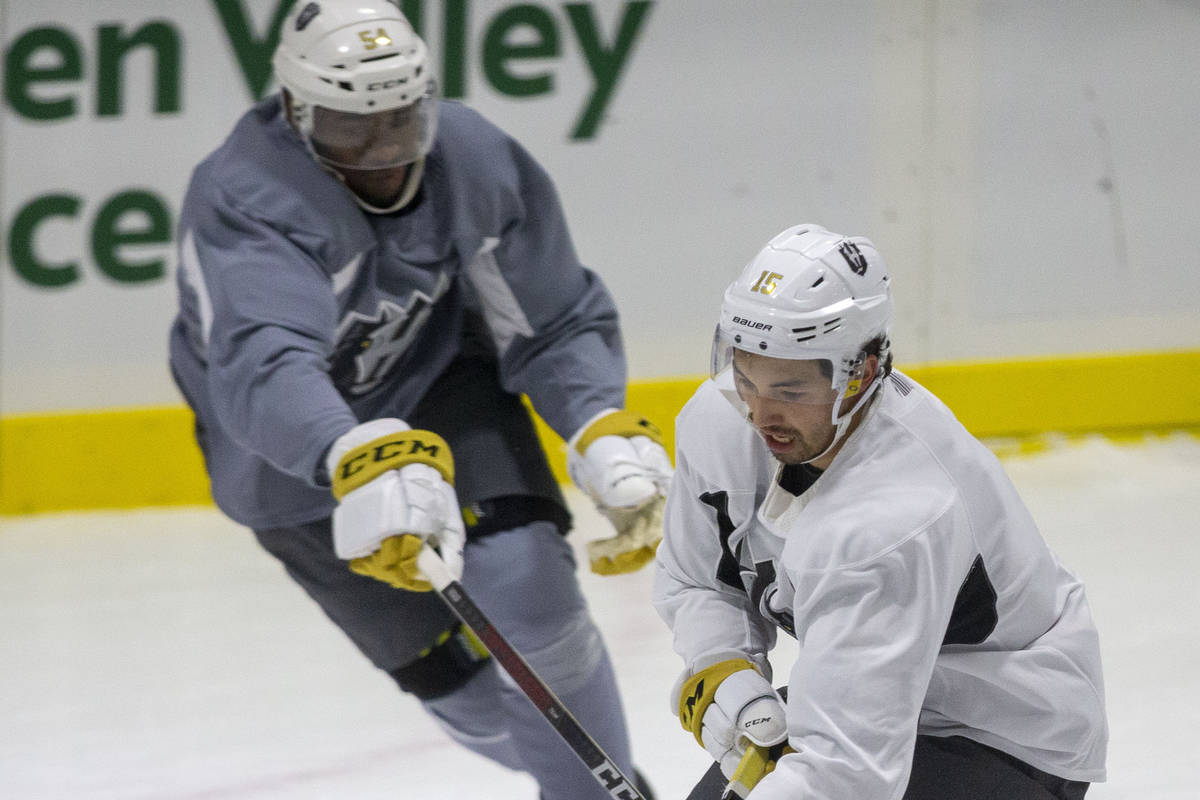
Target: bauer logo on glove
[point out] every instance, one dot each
(619, 461)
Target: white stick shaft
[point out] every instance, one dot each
(434, 568)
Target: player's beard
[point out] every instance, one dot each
(379, 187)
(797, 447)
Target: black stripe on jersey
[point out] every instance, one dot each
(974, 616)
(728, 571)
(902, 386)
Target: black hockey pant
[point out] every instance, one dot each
(954, 768)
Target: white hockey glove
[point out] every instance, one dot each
(619, 461)
(396, 493)
(729, 706)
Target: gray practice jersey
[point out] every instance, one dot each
(922, 596)
(302, 315)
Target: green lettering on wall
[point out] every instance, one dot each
(606, 64)
(455, 16)
(112, 230)
(24, 231)
(414, 12)
(454, 49)
(253, 54)
(499, 49)
(520, 32)
(20, 74)
(163, 39)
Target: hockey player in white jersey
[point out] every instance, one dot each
(944, 652)
(369, 280)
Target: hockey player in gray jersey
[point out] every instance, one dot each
(944, 652)
(369, 278)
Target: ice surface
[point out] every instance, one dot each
(160, 654)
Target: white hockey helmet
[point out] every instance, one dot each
(361, 92)
(808, 295)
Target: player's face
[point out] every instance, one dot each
(374, 152)
(368, 141)
(380, 140)
(790, 404)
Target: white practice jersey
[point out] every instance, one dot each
(922, 596)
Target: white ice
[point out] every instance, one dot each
(159, 654)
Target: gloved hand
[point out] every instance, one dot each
(396, 493)
(728, 706)
(619, 461)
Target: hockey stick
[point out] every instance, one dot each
(749, 770)
(756, 762)
(602, 767)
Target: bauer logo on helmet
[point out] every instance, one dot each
(749, 323)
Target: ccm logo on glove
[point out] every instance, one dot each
(363, 463)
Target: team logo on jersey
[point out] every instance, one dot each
(759, 581)
(369, 345)
(762, 585)
(854, 257)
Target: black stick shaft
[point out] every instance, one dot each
(606, 772)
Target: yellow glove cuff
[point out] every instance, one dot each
(619, 423)
(368, 461)
(698, 691)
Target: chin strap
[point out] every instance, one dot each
(412, 182)
(843, 422)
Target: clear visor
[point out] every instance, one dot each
(758, 377)
(380, 140)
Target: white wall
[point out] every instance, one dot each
(1027, 168)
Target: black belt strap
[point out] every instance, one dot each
(505, 513)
